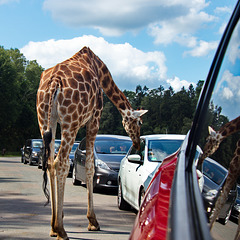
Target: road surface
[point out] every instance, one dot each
(23, 215)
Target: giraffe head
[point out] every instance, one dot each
(212, 143)
(132, 124)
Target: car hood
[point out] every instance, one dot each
(112, 160)
(209, 184)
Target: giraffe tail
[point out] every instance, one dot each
(47, 138)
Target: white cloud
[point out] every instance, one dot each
(180, 28)
(224, 9)
(227, 94)
(234, 46)
(128, 65)
(177, 84)
(202, 48)
(113, 17)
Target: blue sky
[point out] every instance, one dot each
(146, 42)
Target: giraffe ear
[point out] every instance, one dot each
(139, 113)
(211, 131)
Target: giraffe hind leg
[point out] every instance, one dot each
(91, 133)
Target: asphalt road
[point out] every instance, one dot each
(23, 215)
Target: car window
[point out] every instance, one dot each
(112, 146)
(215, 173)
(75, 145)
(57, 145)
(37, 143)
(82, 145)
(140, 152)
(158, 150)
(222, 114)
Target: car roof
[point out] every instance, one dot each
(112, 136)
(216, 163)
(164, 136)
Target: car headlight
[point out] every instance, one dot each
(237, 207)
(34, 154)
(99, 163)
(211, 194)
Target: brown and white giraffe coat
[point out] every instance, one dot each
(71, 94)
(212, 143)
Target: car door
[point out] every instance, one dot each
(27, 150)
(134, 176)
(81, 160)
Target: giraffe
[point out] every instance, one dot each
(71, 94)
(213, 142)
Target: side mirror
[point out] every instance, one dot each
(83, 152)
(135, 158)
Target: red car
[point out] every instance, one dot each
(173, 207)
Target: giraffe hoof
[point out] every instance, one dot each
(62, 238)
(93, 228)
(53, 233)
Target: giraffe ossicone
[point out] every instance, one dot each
(70, 94)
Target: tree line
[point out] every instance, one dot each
(169, 112)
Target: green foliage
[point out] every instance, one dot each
(19, 81)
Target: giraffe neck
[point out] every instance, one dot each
(230, 128)
(105, 79)
(112, 91)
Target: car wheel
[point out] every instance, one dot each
(122, 204)
(39, 164)
(141, 196)
(30, 161)
(74, 179)
(225, 220)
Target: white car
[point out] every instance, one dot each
(138, 167)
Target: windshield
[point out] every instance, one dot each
(37, 143)
(215, 173)
(158, 150)
(75, 145)
(112, 146)
(57, 144)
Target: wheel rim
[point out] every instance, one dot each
(73, 175)
(119, 194)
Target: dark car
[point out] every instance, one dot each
(40, 154)
(236, 207)
(71, 157)
(172, 207)
(109, 150)
(31, 150)
(214, 178)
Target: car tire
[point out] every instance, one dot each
(225, 220)
(74, 179)
(141, 196)
(39, 165)
(122, 204)
(30, 161)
